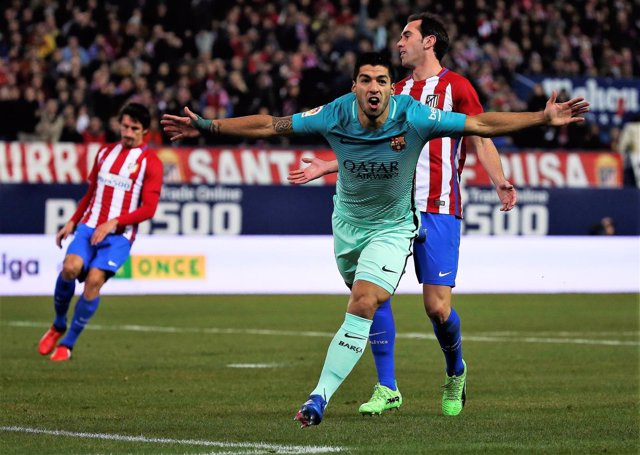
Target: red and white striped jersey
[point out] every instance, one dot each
(124, 183)
(442, 159)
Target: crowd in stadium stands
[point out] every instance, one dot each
(67, 66)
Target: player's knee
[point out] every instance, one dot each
(437, 310)
(91, 290)
(68, 273)
(71, 269)
(93, 283)
(367, 300)
(437, 303)
(438, 315)
(363, 305)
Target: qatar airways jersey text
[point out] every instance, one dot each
(442, 159)
(117, 179)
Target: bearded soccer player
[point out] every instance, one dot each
(423, 43)
(124, 189)
(377, 138)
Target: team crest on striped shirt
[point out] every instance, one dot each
(398, 143)
(432, 100)
(133, 167)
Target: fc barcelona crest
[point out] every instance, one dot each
(398, 143)
(432, 100)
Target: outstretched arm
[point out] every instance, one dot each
(491, 124)
(251, 126)
(316, 169)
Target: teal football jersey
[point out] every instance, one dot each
(376, 167)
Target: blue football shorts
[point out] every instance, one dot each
(108, 255)
(437, 248)
(378, 255)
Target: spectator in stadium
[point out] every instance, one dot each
(423, 44)
(112, 133)
(9, 99)
(124, 189)
(239, 94)
(69, 131)
(605, 226)
(533, 137)
(26, 114)
(82, 120)
(94, 132)
(156, 39)
(586, 137)
(374, 223)
(49, 127)
(73, 50)
(628, 145)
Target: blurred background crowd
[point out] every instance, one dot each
(67, 66)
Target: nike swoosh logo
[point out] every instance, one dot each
(348, 335)
(112, 264)
(377, 333)
(440, 274)
(385, 269)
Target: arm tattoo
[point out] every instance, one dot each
(215, 128)
(283, 125)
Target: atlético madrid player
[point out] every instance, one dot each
(124, 189)
(423, 44)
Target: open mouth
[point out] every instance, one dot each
(373, 102)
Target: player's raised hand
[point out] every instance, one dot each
(63, 233)
(308, 173)
(316, 168)
(572, 111)
(508, 195)
(177, 127)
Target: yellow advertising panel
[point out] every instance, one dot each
(163, 267)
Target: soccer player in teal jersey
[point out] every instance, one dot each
(377, 139)
(422, 45)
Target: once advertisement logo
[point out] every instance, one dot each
(178, 267)
(15, 268)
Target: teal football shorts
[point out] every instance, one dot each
(378, 255)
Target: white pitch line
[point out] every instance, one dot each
(254, 448)
(505, 333)
(527, 339)
(515, 337)
(243, 452)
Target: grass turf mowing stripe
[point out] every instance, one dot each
(514, 337)
(267, 448)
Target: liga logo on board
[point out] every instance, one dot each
(163, 267)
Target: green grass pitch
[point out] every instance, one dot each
(548, 374)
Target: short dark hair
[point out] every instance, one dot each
(373, 59)
(137, 112)
(432, 25)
